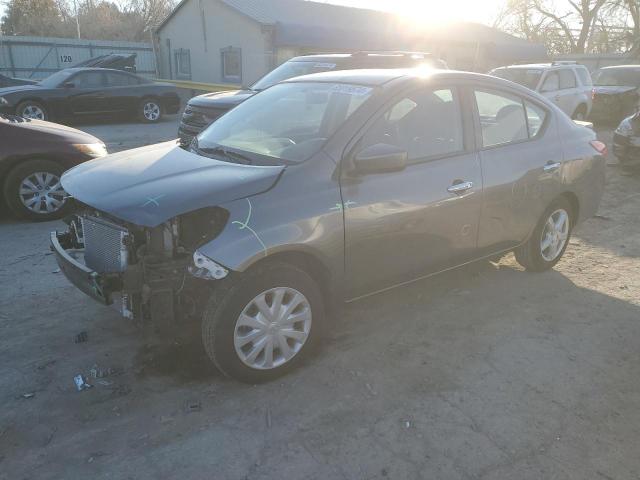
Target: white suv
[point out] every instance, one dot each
(567, 84)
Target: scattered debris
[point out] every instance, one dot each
(371, 390)
(407, 424)
(28, 395)
(81, 337)
(164, 419)
(80, 383)
(57, 270)
(96, 372)
(192, 406)
(105, 383)
(602, 217)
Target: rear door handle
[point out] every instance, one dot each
(460, 187)
(551, 167)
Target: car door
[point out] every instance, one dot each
(520, 156)
(86, 93)
(403, 224)
(121, 91)
(569, 93)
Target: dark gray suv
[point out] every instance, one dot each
(202, 110)
(326, 188)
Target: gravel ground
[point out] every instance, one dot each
(483, 372)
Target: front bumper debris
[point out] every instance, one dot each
(99, 287)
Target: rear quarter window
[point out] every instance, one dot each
(584, 76)
(567, 78)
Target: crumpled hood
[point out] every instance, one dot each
(147, 186)
(221, 100)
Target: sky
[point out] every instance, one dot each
(425, 11)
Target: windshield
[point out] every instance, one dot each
(55, 80)
(528, 77)
(288, 122)
(611, 77)
(289, 70)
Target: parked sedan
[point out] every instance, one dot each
(33, 156)
(83, 92)
(325, 188)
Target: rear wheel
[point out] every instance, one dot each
(580, 113)
(33, 110)
(150, 110)
(549, 240)
(33, 190)
(263, 324)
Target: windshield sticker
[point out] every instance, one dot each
(351, 90)
(328, 66)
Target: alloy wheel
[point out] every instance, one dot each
(42, 193)
(34, 112)
(554, 235)
(151, 111)
(272, 328)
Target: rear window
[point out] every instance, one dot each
(584, 76)
(292, 69)
(529, 77)
(617, 77)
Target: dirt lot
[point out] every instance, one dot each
(484, 372)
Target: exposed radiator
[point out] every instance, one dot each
(104, 245)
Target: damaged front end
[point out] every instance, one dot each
(149, 274)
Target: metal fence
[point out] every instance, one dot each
(39, 57)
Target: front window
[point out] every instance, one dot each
(611, 77)
(287, 123)
(56, 79)
(528, 77)
(289, 70)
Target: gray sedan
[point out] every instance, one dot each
(322, 189)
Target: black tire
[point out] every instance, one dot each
(580, 113)
(145, 115)
(13, 183)
(530, 255)
(229, 301)
(30, 104)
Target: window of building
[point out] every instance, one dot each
(502, 118)
(183, 63)
(425, 123)
(231, 64)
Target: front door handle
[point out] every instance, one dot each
(551, 167)
(460, 187)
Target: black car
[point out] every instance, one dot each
(12, 82)
(615, 93)
(82, 92)
(626, 141)
(202, 110)
(33, 156)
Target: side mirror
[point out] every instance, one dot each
(380, 158)
(69, 85)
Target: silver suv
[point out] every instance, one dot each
(566, 84)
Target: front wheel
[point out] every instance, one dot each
(33, 190)
(150, 111)
(549, 240)
(263, 324)
(32, 110)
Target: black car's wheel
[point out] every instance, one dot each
(33, 110)
(32, 190)
(150, 110)
(550, 238)
(264, 323)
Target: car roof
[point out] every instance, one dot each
(621, 67)
(379, 77)
(543, 65)
(362, 55)
(92, 69)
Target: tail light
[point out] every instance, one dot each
(599, 147)
(593, 94)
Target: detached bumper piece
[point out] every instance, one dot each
(97, 286)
